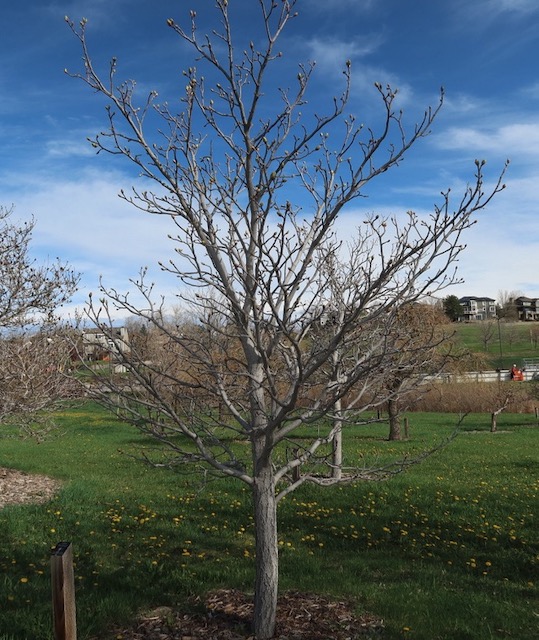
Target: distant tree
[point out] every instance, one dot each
(139, 335)
(228, 168)
(506, 307)
(464, 360)
(422, 348)
(501, 399)
(408, 337)
(452, 308)
(487, 331)
(534, 336)
(33, 353)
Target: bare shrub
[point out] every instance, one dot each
(475, 397)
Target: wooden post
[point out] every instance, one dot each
(406, 428)
(537, 415)
(63, 592)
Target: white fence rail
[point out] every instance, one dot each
(502, 375)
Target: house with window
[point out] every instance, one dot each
(527, 308)
(100, 344)
(474, 308)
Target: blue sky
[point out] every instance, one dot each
(483, 52)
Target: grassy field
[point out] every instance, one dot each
(518, 340)
(448, 550)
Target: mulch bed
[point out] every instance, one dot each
(17, 487)
(226, 615)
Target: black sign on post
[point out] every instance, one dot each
(63, 592)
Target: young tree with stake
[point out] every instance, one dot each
(227, 171)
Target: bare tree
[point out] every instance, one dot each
(509, 333)
(33, 378)
(409, 337)
(33, 354)
(507, 308)
(487, 331)
(422, 349)
(227, 171)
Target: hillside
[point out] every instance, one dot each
(504, 343)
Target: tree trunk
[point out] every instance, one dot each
(394, 420)
(336, 469)
(266, 545)
(494, 415)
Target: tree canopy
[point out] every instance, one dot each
(32, 352)
(452, 308)
(255, 367)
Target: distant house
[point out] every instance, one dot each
(100, 344)
(527, 308)
(474, 308)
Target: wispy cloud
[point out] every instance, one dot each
(69, 148)
(333, 5)
(481, 14)
(531, 91)
(332, 54)
(512, 6)
(99, 12)
(84, 221)
(512, 140)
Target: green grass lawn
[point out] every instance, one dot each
(448, 550)
(517, 341)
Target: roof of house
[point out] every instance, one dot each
(477, 299)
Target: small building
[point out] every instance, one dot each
(475, 308)
(105, 344)
(527, 308)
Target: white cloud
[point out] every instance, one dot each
(481, 14)
(68, 148)
(332, 54)
(84, 222)
(511, 140)
(462, 104)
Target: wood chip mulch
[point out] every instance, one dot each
(17, 487)
(226, 615)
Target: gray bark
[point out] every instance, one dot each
(337, 442)
(394, 419)
(266, 545)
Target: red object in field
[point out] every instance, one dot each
(517, 374)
